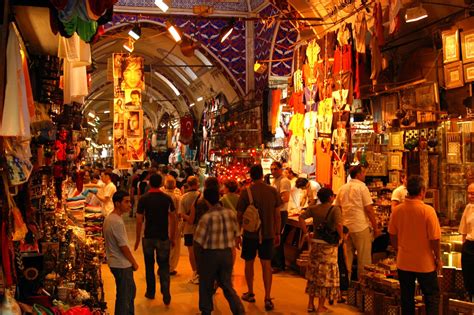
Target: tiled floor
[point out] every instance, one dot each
(287, 290)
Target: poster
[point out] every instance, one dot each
(129, 82)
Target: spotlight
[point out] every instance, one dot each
(135, 32)
(415, 13)
(91, 115)
(162, 5)
(106, 111)
(226, 31)
(191, 105)
(129, 46)
(173, 31)
(200, 98)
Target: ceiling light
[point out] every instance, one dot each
(106, 111)
(415, 13)
(91, 115)
(91, 123)
(88, 139)
(162, 5)
(168, 82)
(226, 31)
(173, 31)
(135, 32)
(191, 105)
(259, 67)
(129, 46)
(110, 138)
(200, 98)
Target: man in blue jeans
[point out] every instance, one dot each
(119, 257)
(157, 208)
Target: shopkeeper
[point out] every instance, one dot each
(466, 228)
(106, 193)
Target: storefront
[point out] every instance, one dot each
(362, 83)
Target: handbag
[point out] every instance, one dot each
(325, 233)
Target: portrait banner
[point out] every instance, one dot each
(129, 82)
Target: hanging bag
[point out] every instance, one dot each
(326, 233)
(251, 218)
(19, 227)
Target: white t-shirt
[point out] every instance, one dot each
(352, 198)
(104, 192)
(115, 236)
(282, 184)
(467, 222)
(399, 193)
(315, 187)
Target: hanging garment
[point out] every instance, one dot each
(339, 176)
(298, 81)
(394, 16)
(343, 59)
(296, 125)
(296, 102)
(378, 17)
(310, 135)
(360, 32)
(310, 97)
(343, 35)
(312, 53)
(16, 110)
(75, 83)
(325, 116)
(376, 58)
(275, 110)
(323, 161)
(74, 50)
(296, 148)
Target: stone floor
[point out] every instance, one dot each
(287, 290)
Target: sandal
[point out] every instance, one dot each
(311, 309)
(269, 305)
(248, 297)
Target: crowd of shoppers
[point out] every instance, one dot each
(209, 216)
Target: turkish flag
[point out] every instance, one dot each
(186, 133)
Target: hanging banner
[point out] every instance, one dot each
(129, 82)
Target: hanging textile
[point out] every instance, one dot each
(378, 17)
(186, 132)
(323, 162)
(18, 95)
(394, 16)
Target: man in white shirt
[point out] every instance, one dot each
(359, 216)
(283, 186)
(106, 193)
(119, 257)
(399, 194)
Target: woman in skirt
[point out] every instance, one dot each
(322, 271)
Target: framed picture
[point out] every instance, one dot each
(467, 43)
(469, 72)
(453, 75)
(432, 198)
(395, 161)
(450, 45)
(135, 149)
(456, 202)
(395, 141)
(394, 177)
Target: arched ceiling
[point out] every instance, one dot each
(194, 77)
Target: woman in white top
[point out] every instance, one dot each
(466, 228)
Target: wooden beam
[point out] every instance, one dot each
(3, 52)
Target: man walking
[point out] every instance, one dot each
(283, 187)
(216, 234)
(157, 208)
(415, 234)
(357, 211)
(187, 202)
(175, 194)
(267, 200)
(119, 257)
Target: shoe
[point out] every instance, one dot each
(173, 273)
(269, 305)
(311, 309)
(167, 299)
(248, 297)
(149, 296)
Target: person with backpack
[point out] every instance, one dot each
(258, 211)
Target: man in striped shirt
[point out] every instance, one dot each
(215, 236)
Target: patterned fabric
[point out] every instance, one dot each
(217, 229)
(322, 272)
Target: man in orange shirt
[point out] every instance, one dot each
(415, 234)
